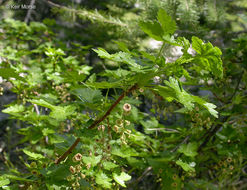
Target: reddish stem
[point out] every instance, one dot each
(96, 122)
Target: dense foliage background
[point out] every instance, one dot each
(123, 94)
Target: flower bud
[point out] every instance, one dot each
(127, 122)
(141, 90)
(116, 128)
(78, 168)
(88, 166)
(72, 169)
(77, 157)
(33, 165)
(127, 107)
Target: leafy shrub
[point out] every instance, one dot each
(87, 130)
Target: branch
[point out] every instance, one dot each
(36, 109)
(211, 134)
(96, 122)
(29, 12)
(237, 86)
(91, 15)
(183, 142)
(113, 106)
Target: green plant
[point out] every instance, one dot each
(86, 130)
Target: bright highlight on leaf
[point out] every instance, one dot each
(120, 179)
(208, 57)
(104, 180)
(33, 155)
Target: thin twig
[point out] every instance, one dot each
(183, 142)
(61, 158)
(96, 122)
(29, 11)
(36, 109)
(143, 174)
(237, 86)
(211, 134)
(161, 129)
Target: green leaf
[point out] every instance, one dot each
(189, 149)
(120, 179)
(33, 155)
(4, 181)
(197, 45)
(153, 29)
(121, 57)
(47, 131)
(153, 123)
(124, 152)
(186, 167)
(93, 160)
(167, 23)
(174, 91)
(42, 102)
(59, 113)
(105, 84)
(13, 177)
(208, 57)
(88, 95)
(181, 95)
(109, 165)
(103, 180)
(14, 109)
(210, 107)
(9, 73)
(56, 174)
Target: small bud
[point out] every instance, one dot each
(72, 169)
(156, 79)
(83, 176)
(78, 168)
(174, 177)
(119, 122)
(88, 166)
(101, 127)
(141, 90)
(127, 122)
(116, 128)
(77, 184)
(229, 159)
(174, 184)
(128, 131)
(69, 178)
(127, 107)
(34, 172)
(33, 165)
